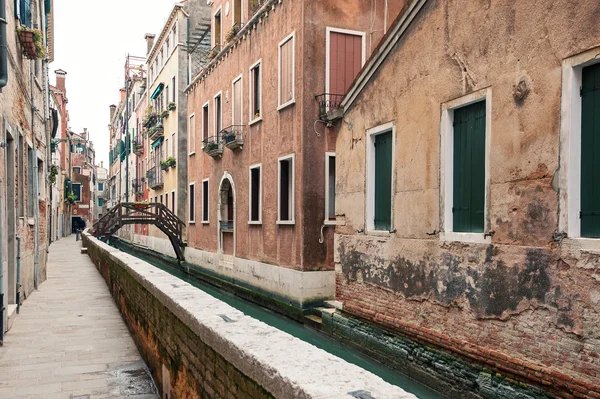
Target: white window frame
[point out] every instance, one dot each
(293, 189)
(174, 201)
(570, 149)
(260, 194)
(190, 203)
(330, 30)
(326, 220)
(370, 197)
(205, 134)
(193, 150)
(220, 95)
(447, 167)
(233, 13)
(207, 221)
(214, 36)
(251, 117)
(233, 99)
(292, 37)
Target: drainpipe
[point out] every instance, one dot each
(2, 144)
(36, 207)
(3, 51)
(18, 274)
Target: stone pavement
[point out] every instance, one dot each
(69, 340)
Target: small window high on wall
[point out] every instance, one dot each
(255, 92)
(329, 187)
(285, 198)
(205, 122)
(192, 203)
(286, 58)
(205, 204)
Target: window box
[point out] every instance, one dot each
(155, 132)
(150, 119)
(32, 42)
(164, 114)
(212, 146)
(172, 106)
(233, 32)
(233, 136)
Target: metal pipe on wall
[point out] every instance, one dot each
(36, 207)
(18, 274)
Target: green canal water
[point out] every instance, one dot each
(290, 326)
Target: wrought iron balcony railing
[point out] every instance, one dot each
(155, 177)
(330, 106)
(212, 146)
(138, 185)
(233, 136)
(138, 145)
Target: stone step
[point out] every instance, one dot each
(314, 319)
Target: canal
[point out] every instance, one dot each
(287, 325)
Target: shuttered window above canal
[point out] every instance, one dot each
(469, 168)
(383, 181)
(590, 152)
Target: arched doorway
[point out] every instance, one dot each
(227, 218)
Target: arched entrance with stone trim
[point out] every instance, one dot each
(226, 213)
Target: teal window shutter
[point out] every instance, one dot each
(383, 181)
(25, 12)
(469, 168)
(590, 152)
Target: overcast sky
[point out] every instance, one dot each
(91, 41)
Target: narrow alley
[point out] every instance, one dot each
(69, 340)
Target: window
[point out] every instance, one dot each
(255, 196)
(192, 134)
(30, 190)
(167, 200)
(174, 145)
(192, 203)
(218, 115)
(590, 152)
(174, 88)
(167, 96)
(173, 201)
(205, 201)
(205, 122)
(255, 91)
(286, 71)
(21, 177)
(161, 199)
(237, 12)
(285, 198)
(329, 187)
(167, 148)
(76, 190)
(100, 202)
(100, 186)
(345, 58)
(465, 134)
(217, 27)
(41, 183)
(236, 101)
(380, 156)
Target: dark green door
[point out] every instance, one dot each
(590, 152)
(383, 181)
(469, 168)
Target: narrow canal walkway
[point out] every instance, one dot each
(69, 340)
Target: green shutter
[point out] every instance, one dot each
(469, 168)
(383, 181)
(590, 152)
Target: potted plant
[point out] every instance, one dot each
(171, 106)
(53, 174)
(141, 205)
(171, 162)
(211, 146)
(71, 198)
(32, 41)
(257, 115)
(232, 32)
(212, 53)
(164, 114)
(164, 165)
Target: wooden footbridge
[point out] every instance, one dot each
(143, 213)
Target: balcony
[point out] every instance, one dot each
(212, 146)
(155, 178)
(138, 146)
(233, 136)
(330, 107)
(155, 132)
(138, 185)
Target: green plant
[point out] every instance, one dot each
(171, 106)
(232, 32)
(163, 165)
(257, 115)
(171, 162)
(154, 129)
(164, 114)
(53, 174)
(71, 198)
(32, 41)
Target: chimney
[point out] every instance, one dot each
(113, 109)
(102, 164)
(123, 94)
(85, 133)
(149, 42)
(60, 81)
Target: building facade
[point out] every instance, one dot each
(467, 188)
(83, 180)
(259, 153)
(25, 152)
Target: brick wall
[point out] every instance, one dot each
(196, 370)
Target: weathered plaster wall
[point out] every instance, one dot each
(523, 304)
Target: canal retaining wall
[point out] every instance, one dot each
(197, 346)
